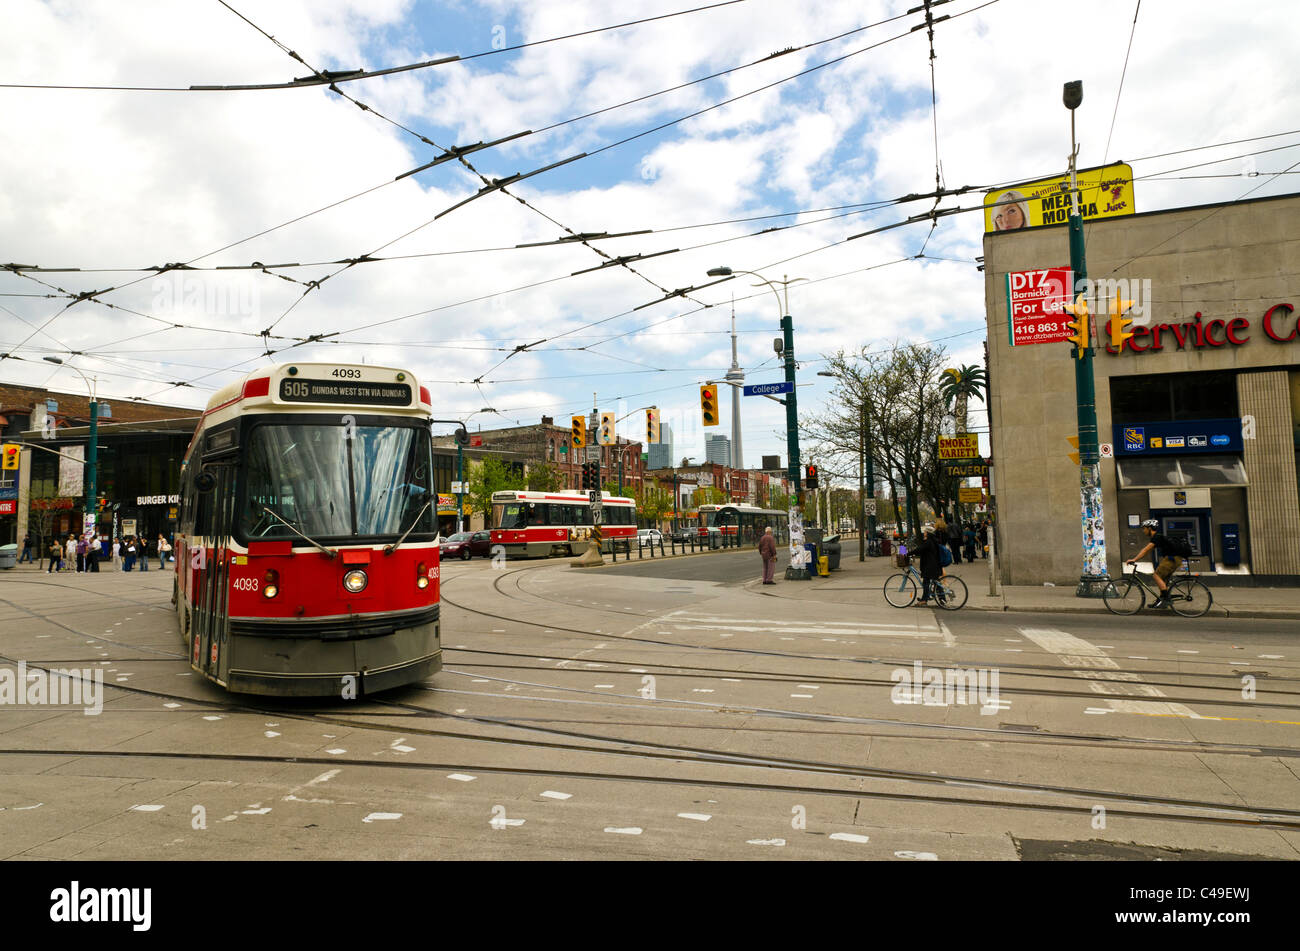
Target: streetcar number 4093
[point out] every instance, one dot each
(245, 584)
(346, 373)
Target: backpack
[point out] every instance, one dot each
(1180, 547)
(945, 556)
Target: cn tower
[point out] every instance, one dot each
(737, 376)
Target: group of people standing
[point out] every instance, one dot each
(970, 540)
(85, 552)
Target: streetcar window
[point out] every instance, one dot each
(323, 484)
(510, 515)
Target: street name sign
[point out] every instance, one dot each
(769, 389)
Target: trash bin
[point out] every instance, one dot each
(8, 556)
(831, 549)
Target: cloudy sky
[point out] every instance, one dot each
(118, 182)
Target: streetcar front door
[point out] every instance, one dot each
(211, 604)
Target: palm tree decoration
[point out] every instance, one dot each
(957, 386)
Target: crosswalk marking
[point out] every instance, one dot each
(1104, 674)
(731, 626)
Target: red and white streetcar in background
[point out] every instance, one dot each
(306, 556)
(538, 524)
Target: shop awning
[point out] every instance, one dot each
(1163, 472)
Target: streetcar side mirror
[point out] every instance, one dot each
(462, 437)
(205, 482)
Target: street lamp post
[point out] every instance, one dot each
(791, 405)
(92, 452)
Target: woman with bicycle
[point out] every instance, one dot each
(1168, 554)
(931, 566)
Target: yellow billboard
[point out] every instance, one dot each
(960, 446)
(1104, 192)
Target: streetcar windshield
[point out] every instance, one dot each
(332, 480)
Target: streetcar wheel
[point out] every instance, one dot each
(1190, 598)
(1123, 597)
(954, 593)
(900, 590)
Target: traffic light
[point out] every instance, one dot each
(12, 452)
(709, 405)
(810, 477)
(1074, 442)
(1119, 324)
(652, 425)
(1082, 336)
(607, 429)
(579, 437)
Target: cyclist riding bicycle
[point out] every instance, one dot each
(1168, 552)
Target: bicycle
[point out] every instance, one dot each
(949, 590)
(1187, 595)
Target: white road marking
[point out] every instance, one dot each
(702, 690)
(382, 816)
(256, 811)
(213, 718)
(604, 686)
(1104, 675)
(630, 830)
(697, 816)
(777, 842)
(1270, 656)
(171, 706)
(269, 734)
(337, 751)
(849, 837)
(145, 808)
(1098, 711)
(920, 856)
(808, 687)
(461, 777)
(398, 748)
(552, 794)
(802, 696)
(731, 680)
(1189, 652)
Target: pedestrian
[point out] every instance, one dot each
(70, 550)
(984, 538)
(81, 554)
(143, 544)
(128, 554)
(931, 566)
(164, 551)
(968, 538)
(92, 553)
(27, 549)
(56, 556)
(954, 540)
(767, 548)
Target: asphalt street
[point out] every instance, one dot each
(666, 709)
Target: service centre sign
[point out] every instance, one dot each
(1034, 301)
(1278, 325)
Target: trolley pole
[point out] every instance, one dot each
(1093, 578)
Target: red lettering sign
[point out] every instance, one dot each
(1279, 311)
(1213, 334)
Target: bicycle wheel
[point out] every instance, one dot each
(1124, 597)
(954, 593)
(1190, 598)
(900, 590)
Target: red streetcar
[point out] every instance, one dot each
(306, 556)
(538, 524)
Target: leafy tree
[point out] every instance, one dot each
(654, 503)
(958, 386)
(490, 475)
(892, 396)
(544, 477)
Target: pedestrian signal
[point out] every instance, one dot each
(810, 477)
(607, 429)
(1082, 335)
(652, 424)
(1074, 442)
(709, 405)
(12, 452)
(579, 437)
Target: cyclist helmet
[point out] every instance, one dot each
(1151, 524)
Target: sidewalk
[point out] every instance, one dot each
(862, 583)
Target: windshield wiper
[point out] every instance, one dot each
(274, 515)
(389, 549)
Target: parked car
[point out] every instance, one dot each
(466, 545)
(649, 536)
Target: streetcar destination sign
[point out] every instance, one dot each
(769, 389)
(300, 390)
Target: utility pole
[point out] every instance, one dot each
(1093, 578)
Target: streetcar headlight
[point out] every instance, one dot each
(355, 581)
(270, 583)
(421, 576)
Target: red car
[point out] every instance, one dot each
(466, 545)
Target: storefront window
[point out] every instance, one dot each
(1164, 471)
(1212, 470)
(1169, 397)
